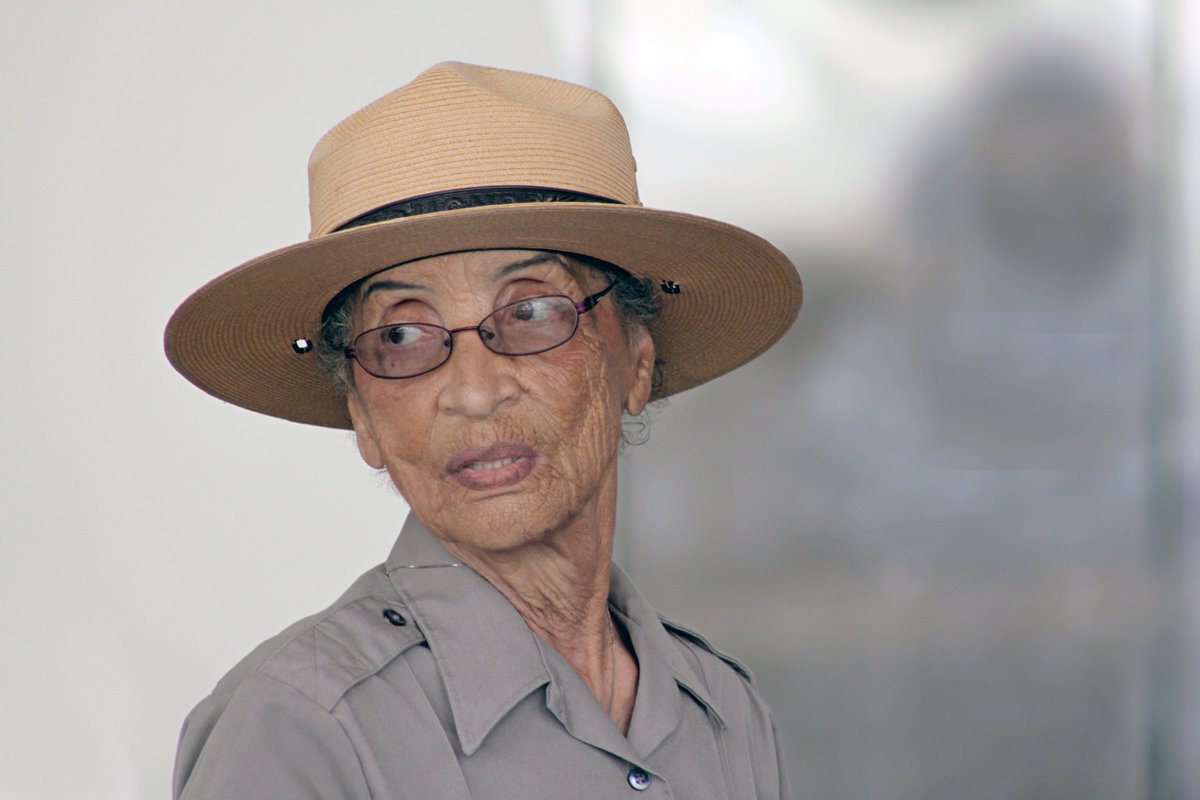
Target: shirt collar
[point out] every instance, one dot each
(467, 622)
(661, 662)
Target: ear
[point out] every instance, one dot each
(642, 349)
(368, 445)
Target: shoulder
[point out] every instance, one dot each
(322, 656)
(702, 650)
(729, 683)
(279, 700)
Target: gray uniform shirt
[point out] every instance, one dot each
(422, 681)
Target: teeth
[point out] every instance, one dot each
(497, 464)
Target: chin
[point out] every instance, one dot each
(498, 523)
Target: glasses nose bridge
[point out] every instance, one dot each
(485, 333)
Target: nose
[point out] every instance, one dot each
(476, 382)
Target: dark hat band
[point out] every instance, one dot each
(470, 198)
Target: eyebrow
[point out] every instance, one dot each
(388, 285)
(506, 270)
(525, 263)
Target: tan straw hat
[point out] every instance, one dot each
(472, 158)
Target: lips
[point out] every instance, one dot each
(494, 466)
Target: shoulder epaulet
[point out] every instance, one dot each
(347, 644)
(690, 636)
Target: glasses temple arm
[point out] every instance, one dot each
(589, 302)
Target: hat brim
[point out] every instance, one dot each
(233, 337)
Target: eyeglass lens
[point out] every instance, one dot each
(526, 327)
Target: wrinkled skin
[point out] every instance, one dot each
(566, 404)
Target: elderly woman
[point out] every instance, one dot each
(484, 300)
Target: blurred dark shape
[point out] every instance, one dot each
(1032, 169)
(1032, 336)
(1052, 146)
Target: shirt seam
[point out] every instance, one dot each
(272, 669)
(318, 619)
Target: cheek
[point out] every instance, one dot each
(401, 441)
(583, 393)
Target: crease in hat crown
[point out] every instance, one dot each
(458, 126)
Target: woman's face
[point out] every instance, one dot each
(493, 452)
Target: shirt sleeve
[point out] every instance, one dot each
(267, 741)
(757, 744)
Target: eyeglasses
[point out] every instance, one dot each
(524, 328)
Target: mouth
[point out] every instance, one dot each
(492, 467)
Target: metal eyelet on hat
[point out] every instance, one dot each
(302, 345)
(671, 287)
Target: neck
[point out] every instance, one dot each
(558, 582)
(559, 585)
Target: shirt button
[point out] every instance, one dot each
(639, 779)
(395, 617)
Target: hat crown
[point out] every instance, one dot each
(458, 126)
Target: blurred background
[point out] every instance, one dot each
(951, 521)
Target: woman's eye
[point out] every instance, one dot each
(531, 310)
(399, 335)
